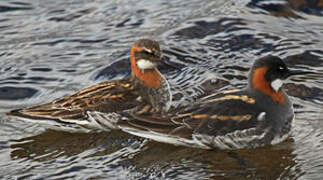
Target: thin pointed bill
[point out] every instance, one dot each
(295, 72)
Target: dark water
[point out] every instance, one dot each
(51, 48)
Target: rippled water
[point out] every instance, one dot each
(51, 48)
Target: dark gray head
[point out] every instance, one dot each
(270, 70)
(145, 54)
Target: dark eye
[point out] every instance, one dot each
(147, 52)
(281, 68)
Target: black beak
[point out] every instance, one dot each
(166, 62)
(292, 73)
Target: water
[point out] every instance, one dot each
(51, 48)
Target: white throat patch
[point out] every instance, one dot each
(145, 64)
(276, 84)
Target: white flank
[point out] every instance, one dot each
(276, 84)
(261, 116)
(103, 121)
(164, 138)
(145, 64)
(239, 139)
(236, 140)
(279, 139)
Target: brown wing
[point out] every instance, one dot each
(146, 118)
(110, 96)
(215, 116)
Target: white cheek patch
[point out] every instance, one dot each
(145, 64)
(276, 84)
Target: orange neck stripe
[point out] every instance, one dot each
(260, 83)
(150, 77)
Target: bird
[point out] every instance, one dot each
(87, 110)
(258, 115)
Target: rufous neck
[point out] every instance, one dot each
(152, 78)
(259, 82)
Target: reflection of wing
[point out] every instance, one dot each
(201, 124)
(105, 97)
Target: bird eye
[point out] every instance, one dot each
(281, 68)
(147, 51)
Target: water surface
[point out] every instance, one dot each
(51, 48)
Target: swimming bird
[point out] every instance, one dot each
(89, 109)
(258, 115)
